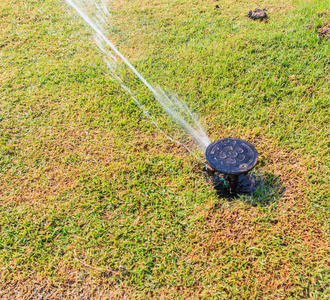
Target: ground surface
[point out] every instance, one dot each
(88, 184)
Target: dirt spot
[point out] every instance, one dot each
(324, 32)
(257, 14)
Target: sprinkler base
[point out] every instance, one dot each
(246, 185)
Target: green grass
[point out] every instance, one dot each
(87, 183)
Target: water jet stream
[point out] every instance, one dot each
(173, 106)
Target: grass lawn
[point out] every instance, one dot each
(88, 184)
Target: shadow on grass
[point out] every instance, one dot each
(268, 189)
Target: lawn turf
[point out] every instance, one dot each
(88, 184)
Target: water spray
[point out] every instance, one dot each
(231, 157)
(170, 103)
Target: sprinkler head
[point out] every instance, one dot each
(233, 158)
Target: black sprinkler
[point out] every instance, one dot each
(233, 158)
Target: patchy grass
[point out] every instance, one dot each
(88, 184)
